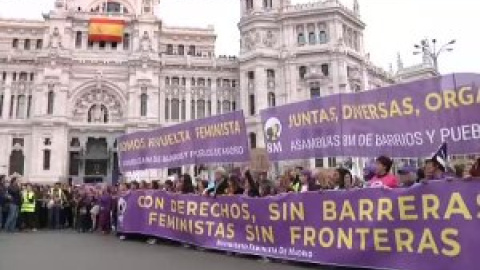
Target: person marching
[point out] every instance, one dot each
(28, 208)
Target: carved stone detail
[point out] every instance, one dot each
(96, 101)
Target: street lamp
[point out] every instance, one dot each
(429, 49)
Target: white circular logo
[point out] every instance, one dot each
(273, 129)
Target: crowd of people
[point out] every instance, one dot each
(29, 207)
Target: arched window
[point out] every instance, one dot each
(175, 109)
(181, 50)
(78, 39)
(253, 140)
(271, 99)
(200, 108)
(301, 39)
(143, 104)
(97, 113)
(50, 101)
(226, 106)
(20, 106)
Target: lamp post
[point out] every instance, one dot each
(430, 49)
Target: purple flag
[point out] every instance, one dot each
(404, 120)
(429, 226)
(218, 139)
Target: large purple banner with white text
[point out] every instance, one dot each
(217, 139)
(404, 120)
(429, 226)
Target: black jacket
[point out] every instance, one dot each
(15, 194)
(254, 188)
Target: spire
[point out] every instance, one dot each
(399, 62)
(356, 8)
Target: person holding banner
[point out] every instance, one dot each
(219, 184)
(475, 170)
(382, 177)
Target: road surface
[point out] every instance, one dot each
(68, 250)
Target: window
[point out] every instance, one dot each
(209, 82)
(114, 45)
(143, 104)
(1, 103)
(20, 106)
(302, 71)
(50, 100)
(323, 37)
(270, 74)
(14, 76)
(126, 41)
(181, 50)
(319, 163)
(191, 50)
(192, 109)
(29, 105)
(315, 90)
(209, 107)
(113, 7)
(301, 39)
(332, 162)
(201, 81)
(102, 45)
(251, 75)
(23, 76)
(249, 4)
(12, 102)
(325, 70)
(15, 43)
(175, 109)
(90, 44)
(234, 83)
(46, 159)
(169, 49)
(184, 81)
(39, 44)
(234, 106)
(167, 80)
(226, 83)
(251, 104)
(253, 140)
(32, 76)
(193, 82)
(26, 44)
(267, 3)
(4, 76)
(226, 106)
(271, 100)
(312, 38)
(219, 107)
(184, 109)
(175, 81)
(78, 40)
(167, 109)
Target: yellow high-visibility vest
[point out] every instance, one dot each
(27, 206)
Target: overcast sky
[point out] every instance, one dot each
(392, 25)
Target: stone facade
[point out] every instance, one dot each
(64, 100)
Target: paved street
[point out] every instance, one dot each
(72, 251)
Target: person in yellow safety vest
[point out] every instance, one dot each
(28, 208)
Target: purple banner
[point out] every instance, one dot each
(404, 120)
(430, 226)
(217, 139)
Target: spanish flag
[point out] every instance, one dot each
(105, 30)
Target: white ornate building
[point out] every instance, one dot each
(64, 99)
